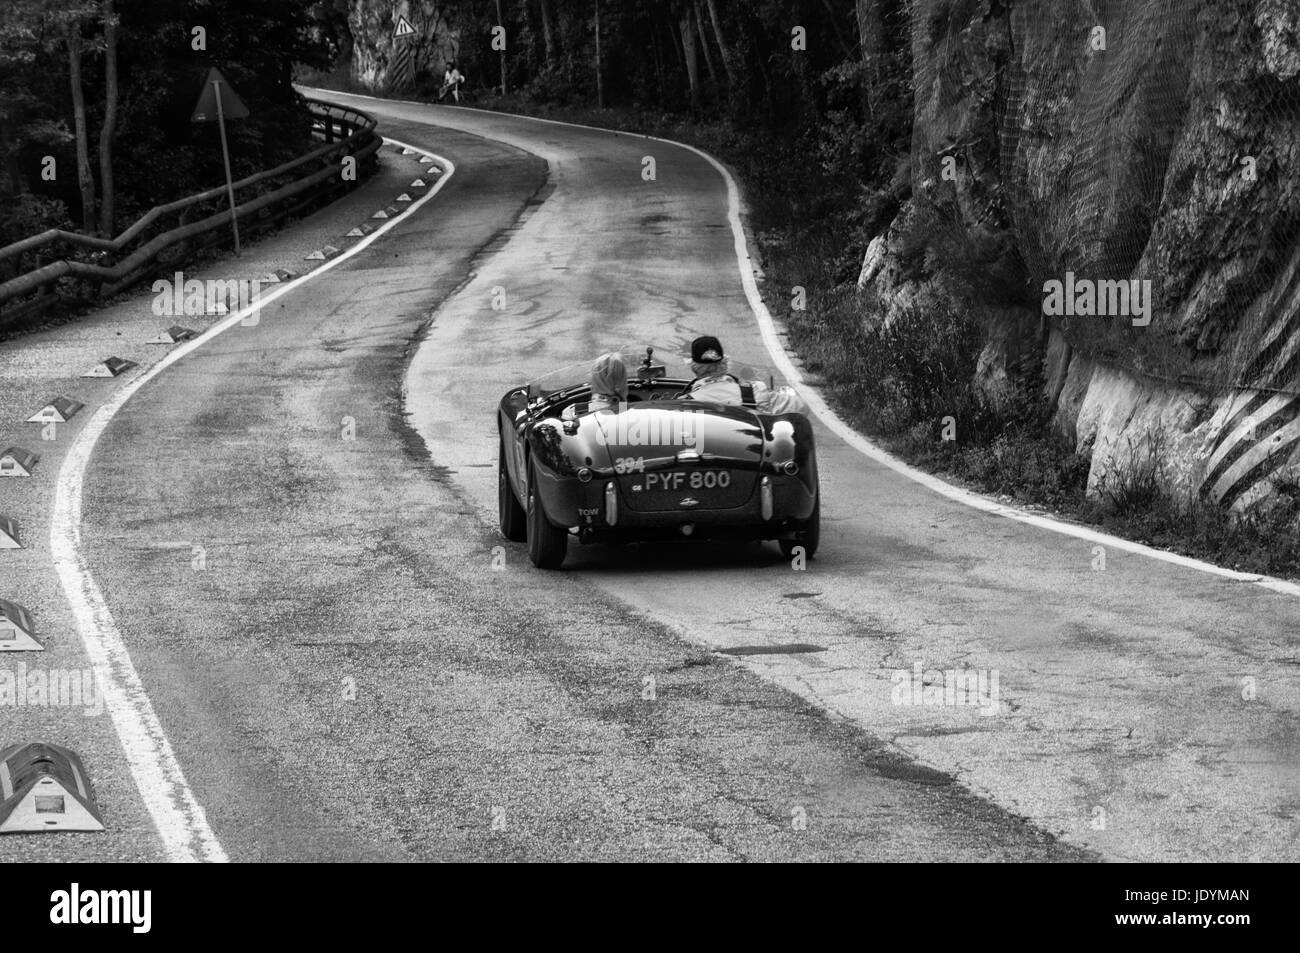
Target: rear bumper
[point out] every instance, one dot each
(584, 506)
(772, 529)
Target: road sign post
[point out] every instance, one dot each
(214, 104)
(402, 72)
(225, 158)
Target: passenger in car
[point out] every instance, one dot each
(608, 382)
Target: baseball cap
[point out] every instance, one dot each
(706, 350)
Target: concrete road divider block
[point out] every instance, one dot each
(355, 233)
(317, 255)
(329, 251)
(17, 462)
(43, 788)
(173, 335)
(58, 411)
(380, 214)
(277, 276)
(17, 630)
(213, 305)
(418, 184)
(408, 152)
(433, 170)
(403, 197)
(9, 534)
(427, 158)
(109, 367)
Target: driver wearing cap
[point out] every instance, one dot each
(712, 382)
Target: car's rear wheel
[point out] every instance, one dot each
(547, 543)
(809, 536)
(513, 519)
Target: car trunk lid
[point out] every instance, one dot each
(683, 457)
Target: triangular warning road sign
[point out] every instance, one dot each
(16, 640)
(48, 806)
(173, 335)
(403, 28)
(232, 107)
(17, 632)
(17, 462)
(109, 367)
(45, 789)
(58, 411)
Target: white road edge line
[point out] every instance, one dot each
(178, 817)
(832, 421)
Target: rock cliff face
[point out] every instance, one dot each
(1121, 140)
(374, 46)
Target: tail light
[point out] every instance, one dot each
(765, 497)
(611, 503)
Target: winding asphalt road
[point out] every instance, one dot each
(350, 678)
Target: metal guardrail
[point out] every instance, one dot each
(110, 265)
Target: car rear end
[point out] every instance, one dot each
(697, 471)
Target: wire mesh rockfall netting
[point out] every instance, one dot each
(1156, 141)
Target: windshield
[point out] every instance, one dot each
(670, 362)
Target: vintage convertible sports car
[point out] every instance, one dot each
(660, 467)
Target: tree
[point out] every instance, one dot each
(501, 22)
(109, 129)
(871, 39)
(70, 24)
(600, 80)
(548, 32)
(686, 24)
(28, 128)
(704, 44)
(723, 49)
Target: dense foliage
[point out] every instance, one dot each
(121, 139)
(818, 85)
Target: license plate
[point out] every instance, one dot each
(673, 482)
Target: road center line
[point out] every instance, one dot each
(177, 815)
